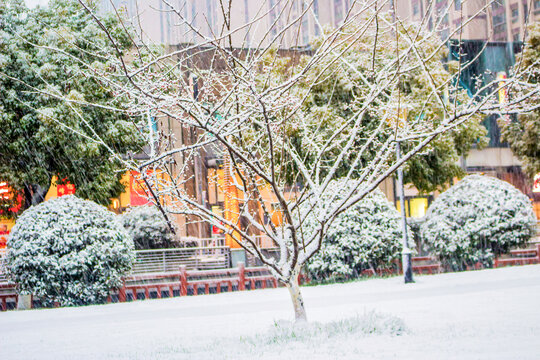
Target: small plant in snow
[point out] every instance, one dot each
(286, 332)
(365, 236)
(477, 219)
(148, 228)
(68, 250)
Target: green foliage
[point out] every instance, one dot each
(523, 135)
(338, 90)
(366, 236)
(477, 219)
(147, 228)
(45, 50)
(68, 250)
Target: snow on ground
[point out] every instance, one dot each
(489, 314)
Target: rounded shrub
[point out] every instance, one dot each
(366, 236)
(477, 219)
(147, 227)
(68, 250)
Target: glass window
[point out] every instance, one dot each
(338, 11)
(415, 8)
(316, 11)
(515, 14)
(497, 4)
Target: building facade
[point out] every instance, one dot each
(488, 20)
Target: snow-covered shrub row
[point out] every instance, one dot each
(477, 219)
(147, 228)
(366, 236)
(68, 250)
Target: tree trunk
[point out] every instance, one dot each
(33, 195)
(296, 297)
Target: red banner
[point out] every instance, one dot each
(66, 189)
(137, 190)
(4, 232)
(6, 196)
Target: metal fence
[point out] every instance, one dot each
(169, 260)
(3, 278)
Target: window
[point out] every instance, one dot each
(496, 4)
(274, 11)
(516, 37)
(515, 14)
(457, 5)
(305, 26)
(316, 11)
(499, 26)
(537, 5)
(338, 11)
(246, 20)
(415, 9)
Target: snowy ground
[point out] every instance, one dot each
(489, 314)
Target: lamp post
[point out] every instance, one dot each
(406, 257)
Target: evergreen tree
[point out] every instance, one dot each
(338, 91)
(365, 236)
(477, 219)
(42, 135)
(523, 135)
(68, 250)
(147, 228)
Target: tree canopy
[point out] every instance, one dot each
(523, 135)
(476, 220)
(46, 127)
(68, 250)
(365, 236)
(339, 87)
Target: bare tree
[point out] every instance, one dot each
(250, 104)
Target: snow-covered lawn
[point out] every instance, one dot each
(489, 314)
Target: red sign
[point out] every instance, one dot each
(6, 194)
(4, 232)
(66, 189)
(137, 190)
(536, 183)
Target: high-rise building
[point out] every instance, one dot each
(268, 22)
(491, 20)
(283, 23)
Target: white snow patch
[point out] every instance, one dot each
(489, 314)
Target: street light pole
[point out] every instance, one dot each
(406, 257)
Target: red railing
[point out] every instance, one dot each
(7, 292)
(194, 282)
(521, 257)
(182, 283)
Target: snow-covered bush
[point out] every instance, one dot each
(366, 236)
(478, 218)
(147, 228)
(68, 250)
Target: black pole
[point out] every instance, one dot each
(406, 258)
